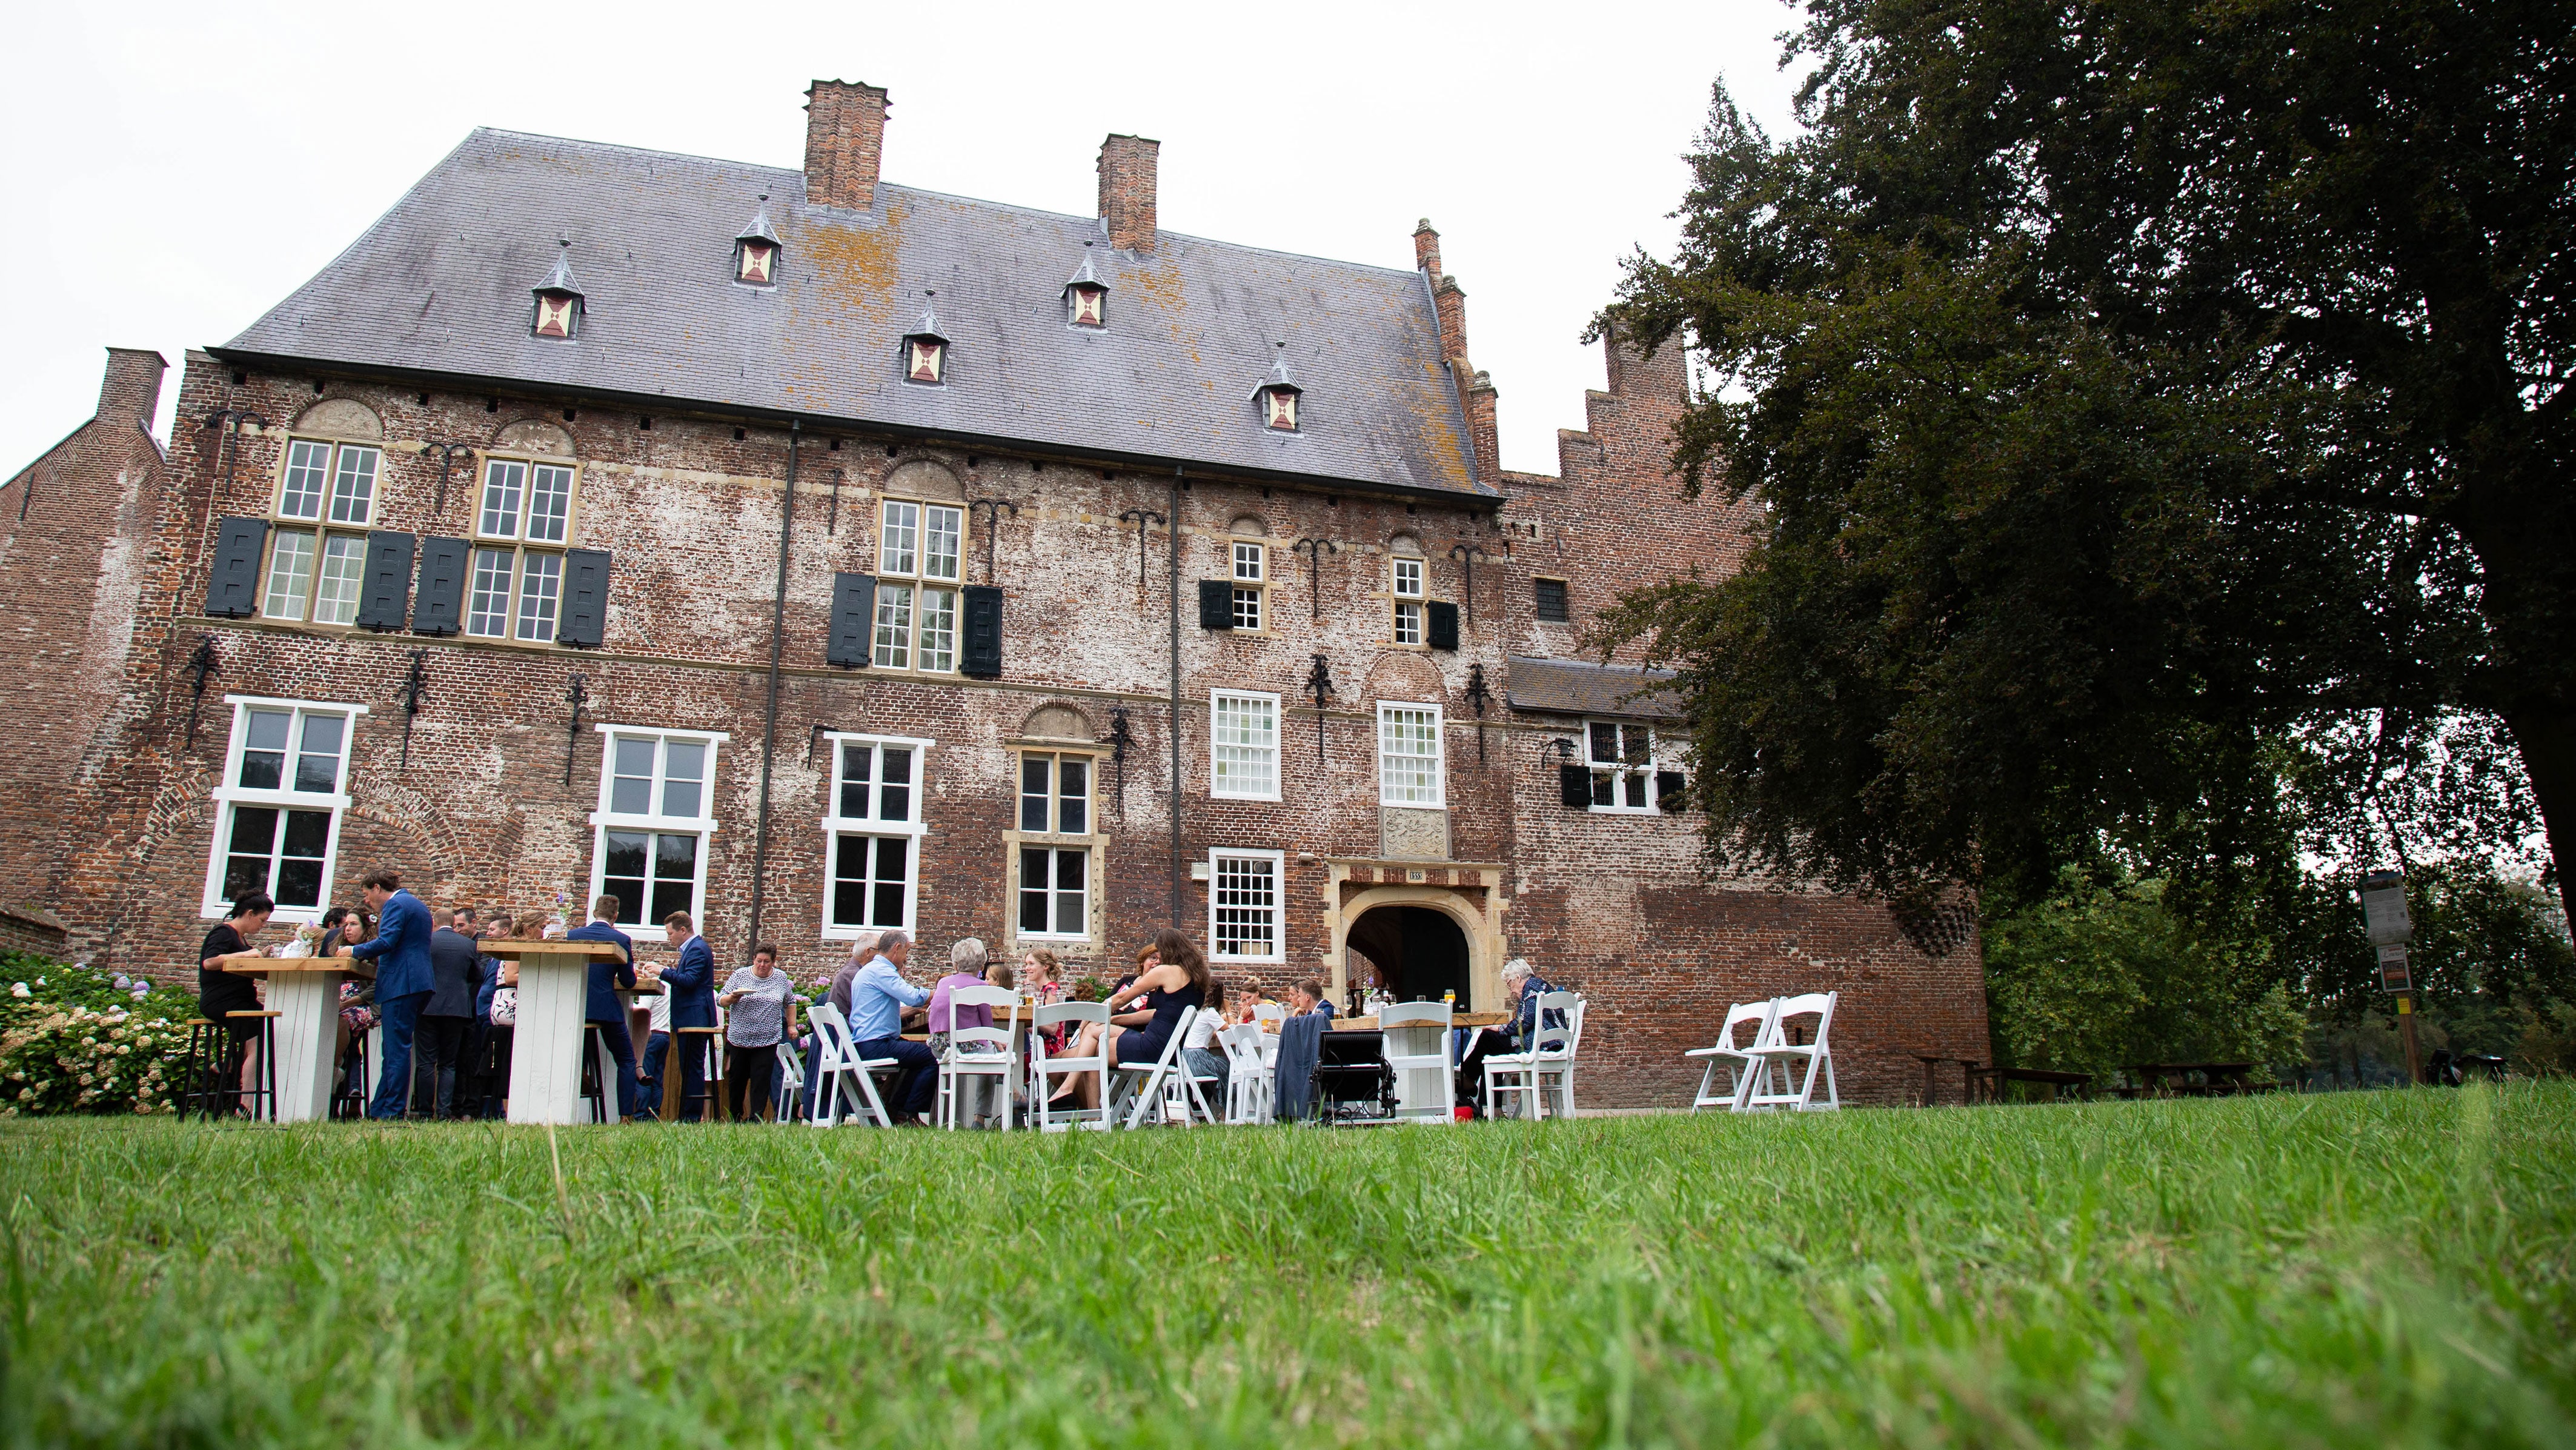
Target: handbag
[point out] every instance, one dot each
(505, 1006)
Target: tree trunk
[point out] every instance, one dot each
(2547, 739)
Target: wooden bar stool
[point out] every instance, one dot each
(594, 1091)
(207, 1048)
(264, 1094)
(702, 1041)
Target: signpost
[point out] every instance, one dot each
(2383, 913)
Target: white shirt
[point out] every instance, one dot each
(1202, 1033)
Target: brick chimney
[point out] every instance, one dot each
(844, 144)
(1127, 191)
(1426, 248)
(132, 389)
(1483, 428)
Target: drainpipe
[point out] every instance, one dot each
(1177, 877)
(769, 731)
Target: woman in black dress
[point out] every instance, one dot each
(220, 992)
(1171, 977)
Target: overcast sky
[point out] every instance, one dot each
(171, 171)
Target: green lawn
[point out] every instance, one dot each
(2350, 1270)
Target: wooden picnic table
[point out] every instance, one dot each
(2216, 1078)
(1994, 1079)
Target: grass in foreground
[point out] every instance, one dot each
(2384, 1269)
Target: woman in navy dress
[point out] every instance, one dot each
(1173, 978)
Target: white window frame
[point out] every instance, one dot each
(836, 826)
(1251, 591)
(214, 905)
(1022, 842)
(520, 548)
(916, 580)
(1400, 599)
(1055, 792)
(1216, 787)
(603, 820)
(1439, 756)
(1618, 770)
(1278, 903)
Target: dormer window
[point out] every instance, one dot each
(755, 252)
(1277, 397)
(1086, 297)
(925, 352)
(559, 302)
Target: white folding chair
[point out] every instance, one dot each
(1522, 1068)
(1247, 1080)
(842, 1077)
(1780, 1055)
(790, 1084)
(1556, 1065)
(1043, 1069)
(1417, 1016)
(978, 1052)
(1158, 1073)
(1737, 1062)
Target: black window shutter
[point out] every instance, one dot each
(1444, 625)
(982, 655)
(384, 591)
(1672, 791)
(232, 590)
(585, 597)
(1574, 787)
(1216, 604)
(854, 608)
(437, 605)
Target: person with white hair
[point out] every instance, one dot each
(1522, 987)
(880, 999)
(968, 966)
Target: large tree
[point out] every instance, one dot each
(2132, 388)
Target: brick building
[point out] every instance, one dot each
(820, 554)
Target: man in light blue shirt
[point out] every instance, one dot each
(879, 999)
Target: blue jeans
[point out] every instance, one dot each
(621, 1050)
(920, 1073)
(401, 1018)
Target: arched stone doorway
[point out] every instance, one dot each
(1419, 952)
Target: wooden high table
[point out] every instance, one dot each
(545, 1050)
(304, 992)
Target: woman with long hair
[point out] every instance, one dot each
(1171, 977)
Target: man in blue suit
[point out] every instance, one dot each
(691, 984)
(404, 979)
(602, 1007)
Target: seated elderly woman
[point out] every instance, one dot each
(1522, 987)
(1170, 979)
(969, 966)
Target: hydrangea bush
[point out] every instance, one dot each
(76, 1039)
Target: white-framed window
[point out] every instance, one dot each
(1055, 893)
(522, 522)
(1055, 793)
(1408, 755)
(1404, 582)
(1244, 891)
(920, 549)
(656, 814)
(277, 812)
(1251, 575)
(1622, 758)
(872, 833)
(314, 572)
(1243, 745)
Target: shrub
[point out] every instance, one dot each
(76, 1039)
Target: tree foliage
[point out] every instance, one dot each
(2150, 403)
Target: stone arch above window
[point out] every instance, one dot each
(341, 418)
(922, 478)
(1404, 544)
(531, 436)
(1248, 525)
(1056, 722)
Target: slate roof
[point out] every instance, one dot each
(1570, 687)
(439, 285)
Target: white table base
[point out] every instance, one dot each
(307, 1034)
(545, 1052)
